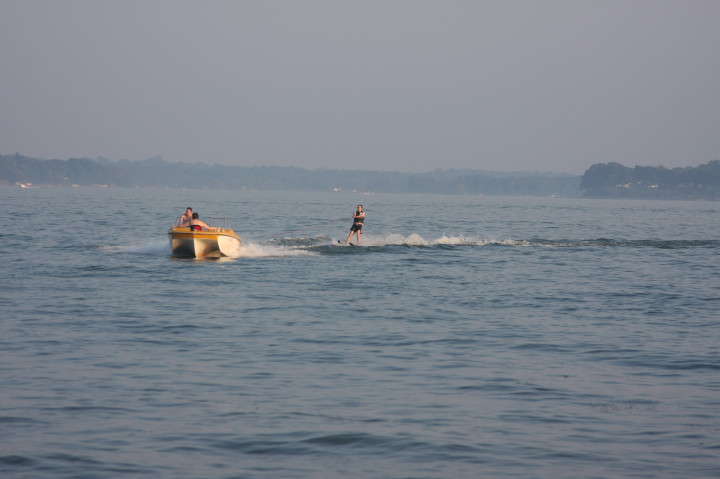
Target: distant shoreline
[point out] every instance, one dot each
(603, 180)
(156, 172)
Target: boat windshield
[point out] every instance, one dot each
(225, 220)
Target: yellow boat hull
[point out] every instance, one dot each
(203, 244)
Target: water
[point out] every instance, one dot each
(467, 337)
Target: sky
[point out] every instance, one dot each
(390, 85)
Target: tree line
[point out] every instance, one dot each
(601, 180)
(156, 172)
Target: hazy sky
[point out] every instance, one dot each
(409, 85)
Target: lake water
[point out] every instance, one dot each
(467, 337)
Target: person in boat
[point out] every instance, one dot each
(357, 226)
(196, 224)
(186, 218)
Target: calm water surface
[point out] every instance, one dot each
(467, 337)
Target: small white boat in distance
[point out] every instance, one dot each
(194, 242)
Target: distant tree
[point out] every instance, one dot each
(606, 175)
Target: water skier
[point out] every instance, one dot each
(356, 228)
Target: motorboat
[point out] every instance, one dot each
(195, 242)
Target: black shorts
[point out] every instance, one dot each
(356, 227)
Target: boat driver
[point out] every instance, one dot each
(186, 218)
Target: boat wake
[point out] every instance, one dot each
(416, 240)
(444, 240)
(388, 240)
(321, 245)
(154, 248)
(245, 250)
(260, 250)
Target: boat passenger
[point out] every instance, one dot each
(186, 218)
(196, 224)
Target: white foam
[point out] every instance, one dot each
(415, 239)
(255, 250)
(151, 248)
